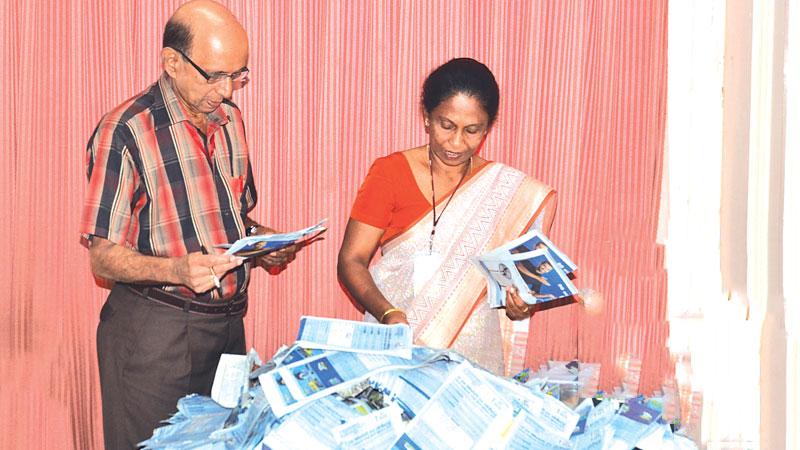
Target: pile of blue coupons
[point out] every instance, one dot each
(346, 385)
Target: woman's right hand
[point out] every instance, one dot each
(358, 245)
(395, 317)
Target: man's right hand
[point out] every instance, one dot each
(196, 271)
(200, 272)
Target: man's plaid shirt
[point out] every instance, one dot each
(159, 186)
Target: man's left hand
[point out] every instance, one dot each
(278, 260)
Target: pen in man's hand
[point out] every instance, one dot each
(213, 274)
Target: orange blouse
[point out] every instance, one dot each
(389, 197)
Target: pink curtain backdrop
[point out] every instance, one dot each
(335, 85)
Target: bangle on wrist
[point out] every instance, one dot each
(389, 311)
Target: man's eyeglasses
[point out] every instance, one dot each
(239, 78)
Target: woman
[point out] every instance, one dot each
(433, 207)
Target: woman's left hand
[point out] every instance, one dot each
(516, 308)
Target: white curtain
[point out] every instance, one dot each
(729, 219)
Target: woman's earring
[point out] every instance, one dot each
(427, 124)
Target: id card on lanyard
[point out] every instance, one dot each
(426, 264)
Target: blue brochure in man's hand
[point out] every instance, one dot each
(261, 244)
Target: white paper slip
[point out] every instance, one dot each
(552, 417)
(355, 336)
(312, 426)
(289, 387)
(229, 379)
(466, 412)
(425, 267)
(376, 431)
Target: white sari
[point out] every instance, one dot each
(449, 310)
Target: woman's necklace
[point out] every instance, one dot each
(433, 195)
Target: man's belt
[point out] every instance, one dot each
(225, 307)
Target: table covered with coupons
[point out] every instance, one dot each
(357, 385)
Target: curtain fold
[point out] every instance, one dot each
(334, 85)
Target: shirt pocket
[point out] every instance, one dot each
(236, 186)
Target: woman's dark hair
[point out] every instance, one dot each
(462, 76)
(177, 35)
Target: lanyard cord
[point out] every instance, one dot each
(433, 195)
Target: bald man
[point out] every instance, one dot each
(169, 180)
